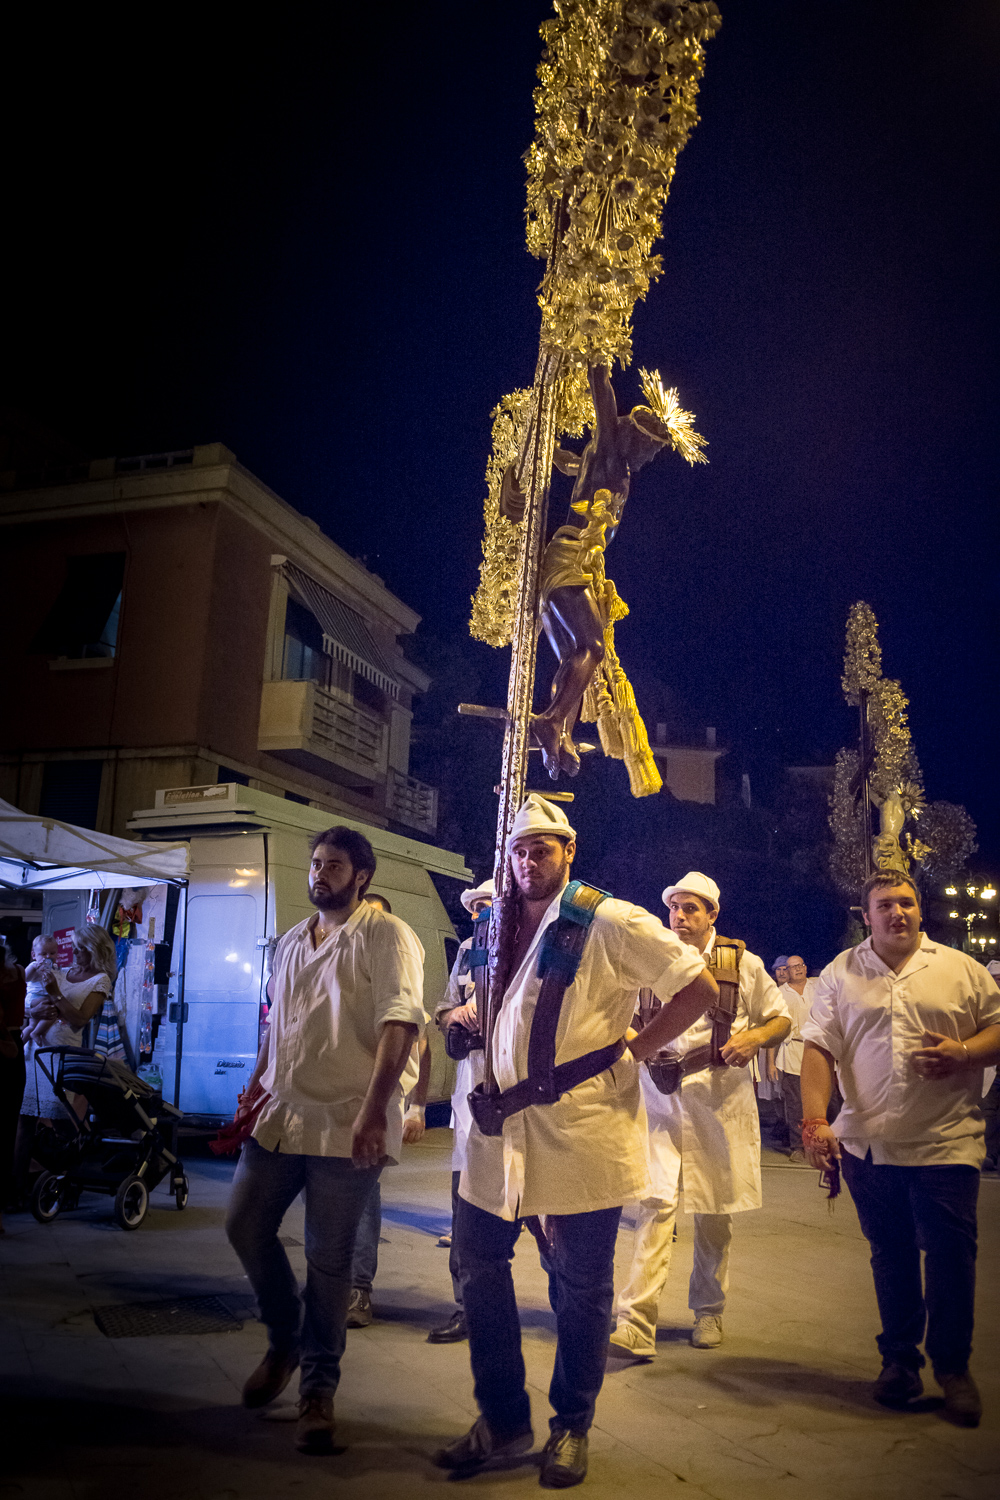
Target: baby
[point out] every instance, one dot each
(38, 973)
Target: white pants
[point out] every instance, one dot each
(638, 1300)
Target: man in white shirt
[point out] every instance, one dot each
(573, 1162)
(797, 993)
(347, 1008)
(706, 1129)
(909, 1026)
(458, 1008)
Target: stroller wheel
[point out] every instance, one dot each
(46, 1197)
(181, 1192)
(131, 1202)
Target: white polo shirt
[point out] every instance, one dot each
(330, 1004)
(871, 1021)
(586, 1151)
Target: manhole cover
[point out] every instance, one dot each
(136, 1320)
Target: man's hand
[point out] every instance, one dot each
(464, 1015)
(741, 1048)
(939, 1056)
(821, 1147)
(414, 1125)
(368, 1136)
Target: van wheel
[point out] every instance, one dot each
(131, 1202)
(46, 1197)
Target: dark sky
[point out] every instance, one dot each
(311, 249)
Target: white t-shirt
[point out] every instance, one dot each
(330, 1004)
(871, 1021)
(586, 1151)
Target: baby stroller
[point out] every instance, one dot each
(125, 1146)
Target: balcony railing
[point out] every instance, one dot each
(412, 802)
(305, 723)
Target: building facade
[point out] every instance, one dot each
(170, 621)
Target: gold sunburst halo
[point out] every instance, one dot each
(665, 404)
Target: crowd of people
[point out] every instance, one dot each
(626, 1060)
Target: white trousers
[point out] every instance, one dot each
(639, 1299)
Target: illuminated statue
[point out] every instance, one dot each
(570, 613)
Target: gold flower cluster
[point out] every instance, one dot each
(495, 601)
(615, 104)
(863, 657)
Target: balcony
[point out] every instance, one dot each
(302, 723)
(412, 802)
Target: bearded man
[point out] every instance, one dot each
(346, 1010)
(572, 1159)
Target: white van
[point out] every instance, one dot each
(247, 884)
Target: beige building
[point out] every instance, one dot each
(171, 622)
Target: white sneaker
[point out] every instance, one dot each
(707, 1331)
(626, 1336)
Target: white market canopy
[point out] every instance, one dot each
(38, 852)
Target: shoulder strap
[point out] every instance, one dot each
(725, 970)
(558, 962)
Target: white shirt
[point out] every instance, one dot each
(330, 1004)
(871, 1020)
(585, 1152)
(789, 1054)
(709, 1128)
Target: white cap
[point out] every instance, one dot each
(698, 885)
(538, 815)
(484, 892)
(993, 967)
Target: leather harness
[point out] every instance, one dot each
(558, 963)
(668, 1068)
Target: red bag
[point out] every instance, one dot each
(248, 1107)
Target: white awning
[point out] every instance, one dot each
(346, 636)
(37, 852)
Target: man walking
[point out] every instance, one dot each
(347, 1007)
(574, 1157)
(458, 1008)
(797, 993)
(909, 1026)
(706, 1128)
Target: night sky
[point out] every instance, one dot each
(311, 249)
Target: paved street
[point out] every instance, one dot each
(781, 1412)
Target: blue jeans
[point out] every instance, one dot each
(581, 1290)
(902, 1211)
(365, 1266)
(336, 1191)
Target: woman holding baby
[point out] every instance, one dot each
(60, 1004)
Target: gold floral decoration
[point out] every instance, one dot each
(863, 656)
(616, 101)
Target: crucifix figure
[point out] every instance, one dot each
(618, 446)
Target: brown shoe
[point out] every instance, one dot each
(962, 1402)
(270, 1378)
(314, 1432)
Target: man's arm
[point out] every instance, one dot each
(414, 1121)
(676, 1015)
(605, 405)
(744, 1045)
(822, 1147)
(260, 1066)
(941, 1056)
(371, 1125)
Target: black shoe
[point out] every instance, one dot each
(270, 1378)
(962, 1403)
(453, 1331)
(479, 1447)
(564, 1459)
(897, 1385)
(359, 1309)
